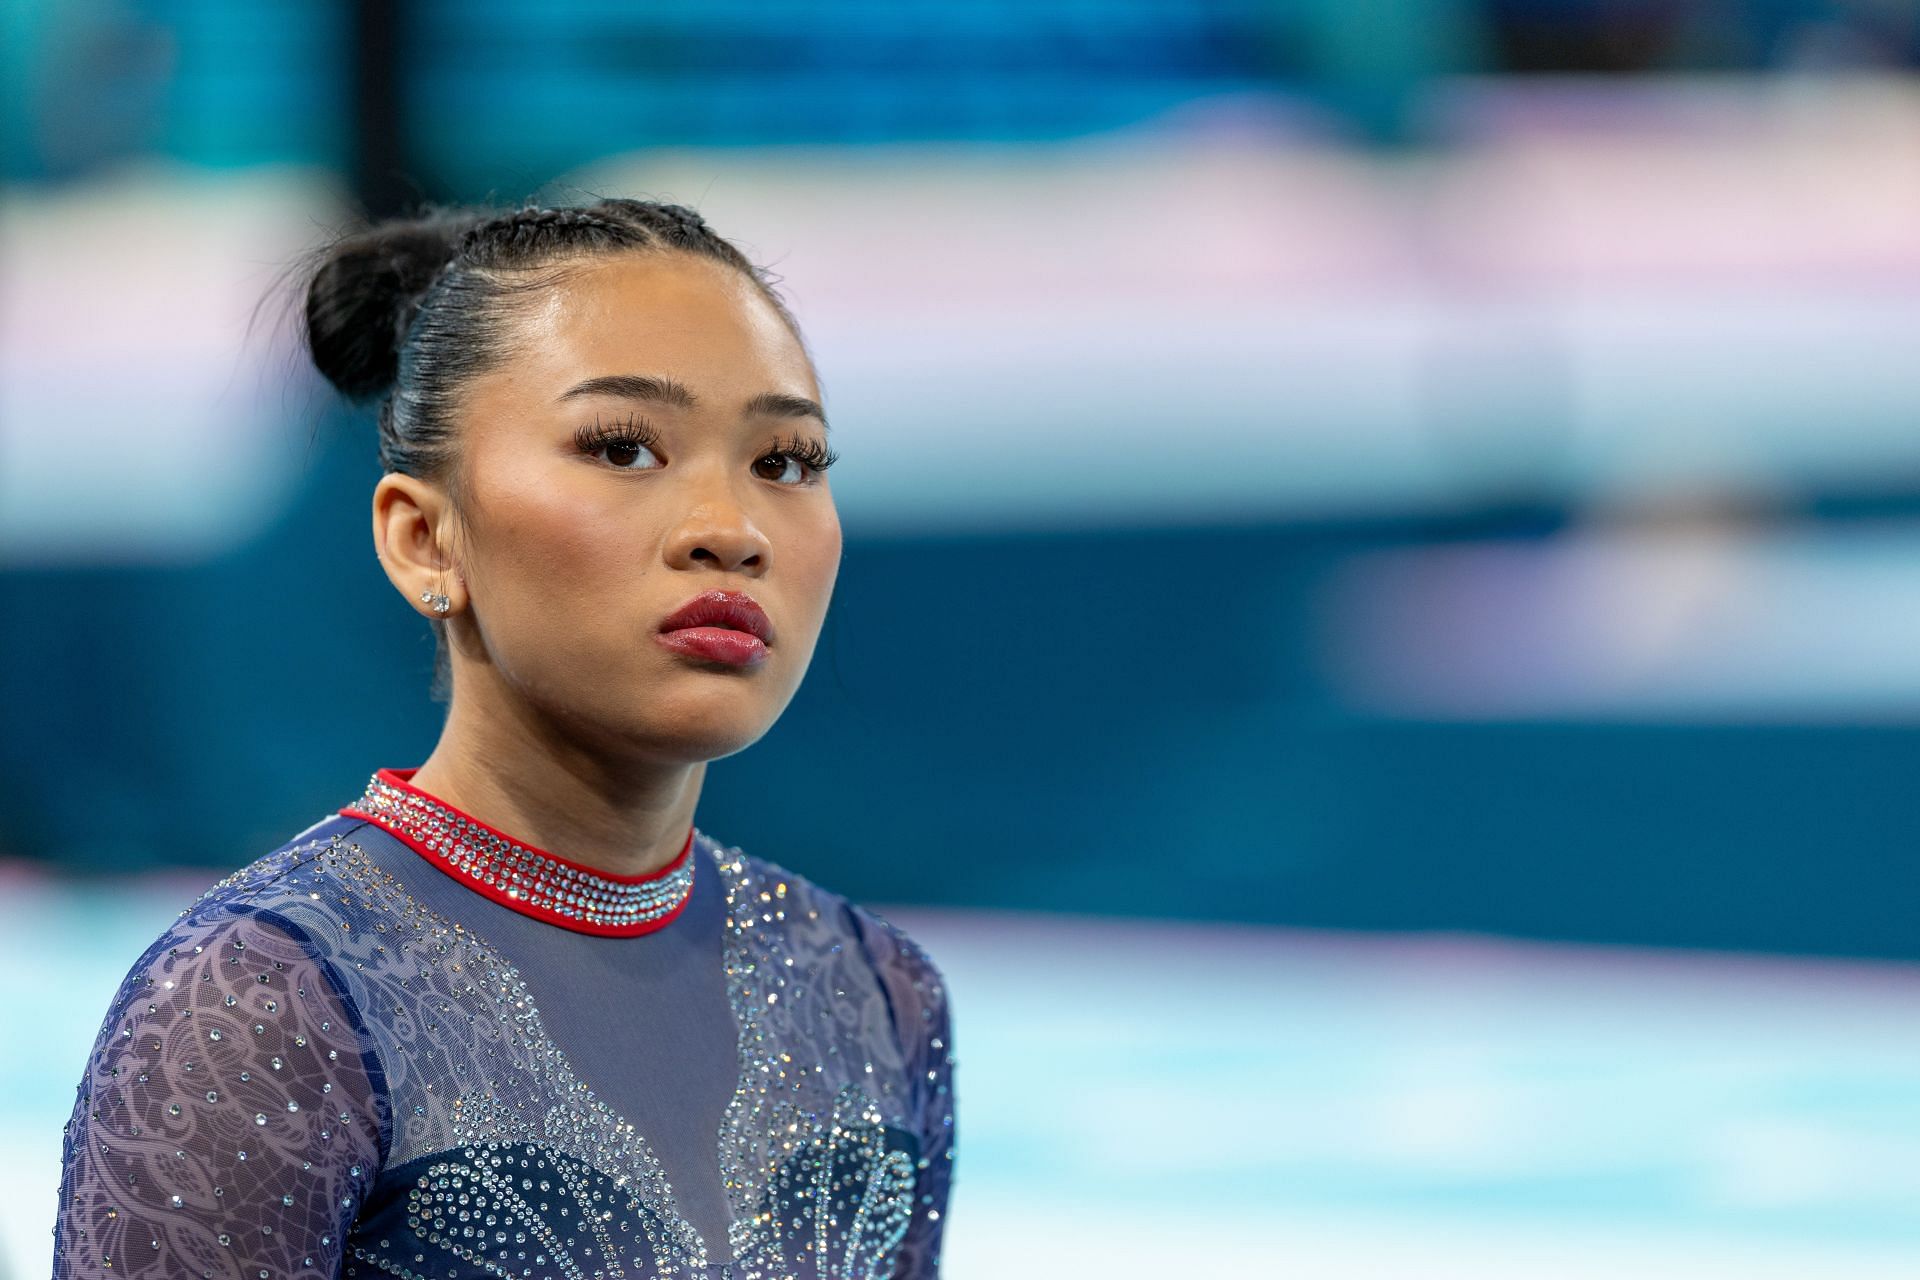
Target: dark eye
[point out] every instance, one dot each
(622, 453)
(623, 443)
(785, 463)
(805, 460)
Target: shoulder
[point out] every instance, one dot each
(896, 951)
(278, 879)
(905, 968)
(257, 906)
(243, 942)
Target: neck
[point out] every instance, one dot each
(624, 816)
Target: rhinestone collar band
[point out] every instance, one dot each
(518, 875)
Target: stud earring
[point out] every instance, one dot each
(440, 603)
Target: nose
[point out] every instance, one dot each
(718, 533)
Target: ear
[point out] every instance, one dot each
(412, 531)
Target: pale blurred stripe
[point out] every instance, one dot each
(1142, 1099)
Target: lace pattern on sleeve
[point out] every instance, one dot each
(917, 996)
(231, 1116)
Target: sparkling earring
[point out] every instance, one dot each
(440, 603)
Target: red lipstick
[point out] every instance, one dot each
(719, 626)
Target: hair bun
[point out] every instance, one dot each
(365, 292)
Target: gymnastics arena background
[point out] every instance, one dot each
(1379, 641)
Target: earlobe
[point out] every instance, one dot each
(404, 513)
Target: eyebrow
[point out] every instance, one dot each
(641, 386)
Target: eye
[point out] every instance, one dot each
(623, 442)
(790, 469)
(622, 453)
(805, 461)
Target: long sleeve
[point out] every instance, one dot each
(231, 1117)
(933, 1181)
(917, 994)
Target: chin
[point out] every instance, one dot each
(698, 748)
(696, 729)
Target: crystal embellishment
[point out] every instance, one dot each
(518, 875)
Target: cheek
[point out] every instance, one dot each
(818, 558)
(554, 549)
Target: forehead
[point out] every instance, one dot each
(669, 314)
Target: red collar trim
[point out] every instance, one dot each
(518, 875)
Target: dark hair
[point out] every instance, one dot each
(409, 310)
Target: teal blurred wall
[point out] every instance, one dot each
(1195, 751)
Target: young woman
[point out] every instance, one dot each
(509, 1012)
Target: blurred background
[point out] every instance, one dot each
(1470, 446)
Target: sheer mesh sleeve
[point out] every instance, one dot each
(917, 994)
(231, 1116)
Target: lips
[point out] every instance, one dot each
(719, 626)
(730, 610)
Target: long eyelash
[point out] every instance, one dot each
(632, 430)
(629, 430)
(818, 457)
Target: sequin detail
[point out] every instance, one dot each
(518, 875)
(441, 1132)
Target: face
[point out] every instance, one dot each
(603, 500)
